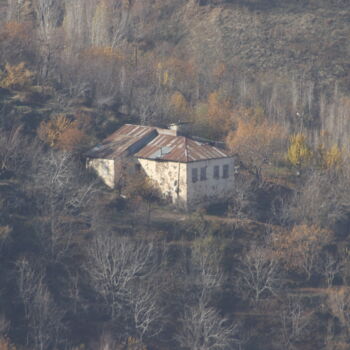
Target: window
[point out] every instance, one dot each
(203, 173)
(216, 174)
(194, 175)
(225, 171)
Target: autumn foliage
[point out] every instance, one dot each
(333, 158)
(15, 30)
(64, 133)
(214, 118)
(6, 345)
(255, 139)
(300, 249)
(299, 153)
(103, 53)
(179, 105)
(17, 76)
(174, 71)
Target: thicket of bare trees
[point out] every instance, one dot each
(44, 318)
(74, 266)
(321, 200)
(202, 325)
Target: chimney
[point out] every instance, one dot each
(175, 127)
(180, 128)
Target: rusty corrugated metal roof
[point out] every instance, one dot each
(135, 131)
(179, 149)
(159, 144)
(118, 143)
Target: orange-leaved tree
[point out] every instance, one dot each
(51, 131)
(16, 30)
(300, 249)
(213, 119)
(64, 132)
(6, 345)
(16, 41)
(256, 140)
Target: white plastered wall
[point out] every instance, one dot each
(104, 168)
(171, 178)
(175, 179)
(210, 189)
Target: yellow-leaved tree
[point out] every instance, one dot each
(179, 106)
(299, 153)
(333, 158)
(17, 77)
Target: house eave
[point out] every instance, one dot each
(178, 161)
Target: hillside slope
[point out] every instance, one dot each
(302, 39)
(287, 57)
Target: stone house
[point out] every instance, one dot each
(187, 172)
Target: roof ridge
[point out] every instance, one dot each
(186, 153)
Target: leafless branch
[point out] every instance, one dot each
(114, 264)
(258, 274)
(204, 329)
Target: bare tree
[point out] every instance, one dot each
(11, 149)
(43, 316)
(323, 200)
(121, 271)
(244, 197)
(339, 304)
(294, 322)
(73, 291)
(77, 24)
(27, 280)
(330, 267)
(300, 249)
(63, 194)
(14, 10)
(107, 342)
(48, 15)
(18, 153)
(4, 326)
(258, 274)
(206, 274)
(143, 187)
(120, 21)
(114, 263)
(203, 328)
(45, 320)
(147, 313)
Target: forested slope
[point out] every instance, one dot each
(286, 57)
(83, 266)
